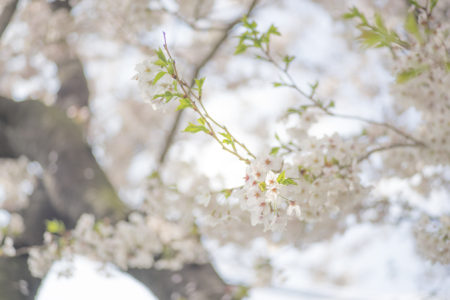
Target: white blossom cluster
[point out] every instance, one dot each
(433, 238)
(7, 246)
(40, 259)
(13, 229)
(150, 84)
(16, 183)
(427, 92)
(142, 242)
(310, 187)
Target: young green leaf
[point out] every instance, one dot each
(241, 48)
(262, 186)
(55, 226)
(184, 103)
(433, 4)
(273, 30)
(161, 55)
(274, 150)
(409, 74)
(201, 121)
(195, 128)
(412, 27)
(199, 84)
(281, 177)
(158, 77)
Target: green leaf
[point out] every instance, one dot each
(278, 84)
(371, 38)
(262, 186)
(247, 24)
(225, 135)
(292, 110)
(281, 177)
(55, 226)
(364, 132)
(353, 13)
(433, 4)
(153, 175)
(314, 87)
(289, 181)
(226, 192)
(406, 75)
(241, 293)
(184, 103)
(170, 68)
(228, 139)
(195, 128)
(273, 30)
(241, 48)
(331, 104)
(412, 27)
(287, 60)
(161, 55)
(201, 121)
(199, 83)
(158, 77)
(413, 2)
(274, 150)
(168, 96)
(380, 23)
(160, 63)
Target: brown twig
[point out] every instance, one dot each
(317, 103)
(197, 105)
(385, 148)
(198, 68)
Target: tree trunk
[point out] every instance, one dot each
(196, 282)
(16, 282)
(46, 135)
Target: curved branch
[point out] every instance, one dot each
(7, 15)
(385, 148)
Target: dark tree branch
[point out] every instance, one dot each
(16, 282)
(74, 181)
(74, 90)
(192, 282)
(39, 209)
(75, 184)
(5, 148)
(7, 14)
(226, 32)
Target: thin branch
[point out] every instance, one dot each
(198, 68)
(198, 107)
(368, 121)
(317, 103)
(191, 24)
(385, 148)
(7, 15)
